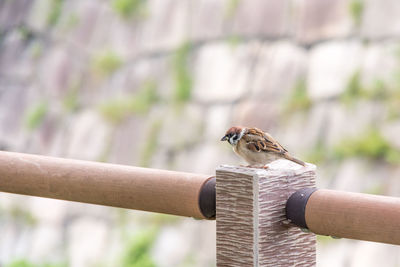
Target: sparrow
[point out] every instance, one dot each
(256, 147)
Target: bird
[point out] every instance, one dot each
(256, 147)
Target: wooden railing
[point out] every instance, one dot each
(265, 217)
(178, 193)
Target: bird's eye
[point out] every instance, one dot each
(235, 137)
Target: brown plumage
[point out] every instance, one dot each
(257, 147)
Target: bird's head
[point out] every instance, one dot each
(233, 135)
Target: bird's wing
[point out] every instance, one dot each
(258, 141)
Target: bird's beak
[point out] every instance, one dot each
(224, 138)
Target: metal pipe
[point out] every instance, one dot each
(177, 193)
(345, 214)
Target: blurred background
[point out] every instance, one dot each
(156, 83)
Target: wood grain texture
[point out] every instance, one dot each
(251, 228)
(100, 183)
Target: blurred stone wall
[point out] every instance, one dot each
(156, 83)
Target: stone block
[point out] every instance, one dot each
(218, 121)
(205, 157)
(374, 254)
(206, 20)
(310, 127)
(331, 66)
(319, 20)
(89, 134)
(280, 66)
(222, 72)
(14, 101)
(173, 246)
(333, 253)
(13, 13)
(360, 117)
(87, 241)
(393, 184)
(390, 131)
(47, 243)
(59, 72)
(79, 21)
(266, 18)
(109, 30)
(14, 60)
(37, 19)
(351, 175)
(359, 174)
(165, 27)
(126, 143)
(57, 207)
(380, 64)
(263, 114)
(380, 20)
(180, 129)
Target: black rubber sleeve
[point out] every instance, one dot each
(207, 199)
(296, 206)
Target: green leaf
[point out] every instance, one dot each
(35, 115)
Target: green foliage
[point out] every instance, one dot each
(371, 145)
(182, 76)
(35, 115)
(319, 153)
(163, 219)
(121, 217)
(21, 263)
(118, 109)
(21, 215)
(234, 40)
(393, 109)
(70, 101)
(394, 100)
(55, 12)
(377, 189)
(353, 90)
(72, 21)
(137, 253)
(151, 144)
(298, 99)
(379, 90)
(189, 260)
(106, 62)
(25, 33)
(26, 263)
(323, 239)
(356, 8)
(128, 8)
(231, 8)
(36, 50)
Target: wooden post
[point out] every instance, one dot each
(251, 224)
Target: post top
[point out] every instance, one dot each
(277, 167)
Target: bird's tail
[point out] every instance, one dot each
(288, 157)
